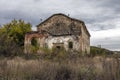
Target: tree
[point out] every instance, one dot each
(12, 37)
(16, 30)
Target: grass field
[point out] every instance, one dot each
(83, 68)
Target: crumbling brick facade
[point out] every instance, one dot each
(59, 31)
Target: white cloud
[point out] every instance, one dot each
(109, 39)
(105, 33)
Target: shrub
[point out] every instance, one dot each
(8, 47)
(94, 51)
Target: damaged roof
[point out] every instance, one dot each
(59, 29)
(64, 29)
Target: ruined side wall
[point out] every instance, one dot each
(27, 43)
(85, 41)
(84, 38)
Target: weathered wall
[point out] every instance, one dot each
(28, 37)
(63, 40)
(85, 41)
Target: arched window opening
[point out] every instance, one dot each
(34, 42)
(45, 45)
(70, 45)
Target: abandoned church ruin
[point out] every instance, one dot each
(59, 31)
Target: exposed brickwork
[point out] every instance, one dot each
(60, 29)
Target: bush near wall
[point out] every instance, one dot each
(94, 51)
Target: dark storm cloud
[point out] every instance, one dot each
(113, 4)
(6, 16)
(100, 12)
(10, 15)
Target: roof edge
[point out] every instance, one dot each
(67, 17)
(58, 14)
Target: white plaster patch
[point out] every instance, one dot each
(62, 39)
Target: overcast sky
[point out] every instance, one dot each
(102, 17)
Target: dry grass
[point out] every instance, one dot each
(84, 68)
